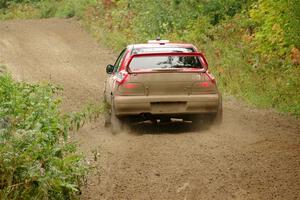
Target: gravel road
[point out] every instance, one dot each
(254, 154)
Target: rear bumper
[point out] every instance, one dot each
(160, 105)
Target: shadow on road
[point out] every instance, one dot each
(165, 128)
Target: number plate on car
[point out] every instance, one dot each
(168, 107)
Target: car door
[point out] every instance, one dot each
(110, 81)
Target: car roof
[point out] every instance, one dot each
(151, 45)
(160, 47)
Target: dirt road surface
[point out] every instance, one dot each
(254, 154)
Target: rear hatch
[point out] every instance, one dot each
(167, 74)
(170, 83)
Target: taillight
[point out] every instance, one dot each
(130, 85)
(207, 84)
(121, 76)
(131, 89)
(127, 88)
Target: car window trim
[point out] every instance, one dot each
(202, 58)
(119, 60)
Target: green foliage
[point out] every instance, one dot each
(6, 3)
(23, 9)
(48, 9)
(91, 112)
(19, 11)
(277, 24)
(36, 160)
(219, 10)
(292, 35)
(70, 8)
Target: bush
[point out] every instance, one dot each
(24, 9)
(19, 11)
(36, 160)
(277, 27)
(70, 8)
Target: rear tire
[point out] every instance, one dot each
(107, 114)
(116, 124)
(218, 118)
(208, 120)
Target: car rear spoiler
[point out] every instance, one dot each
(200, 55)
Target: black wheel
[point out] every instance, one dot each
(218, 117)
(116, 123)
(107, 114)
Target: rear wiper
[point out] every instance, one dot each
(183, 66)
(187, 69)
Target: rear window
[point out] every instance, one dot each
(164, 62)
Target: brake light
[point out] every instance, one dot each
(121, 76)
(130, 85)
(205, 84)
(133, 89)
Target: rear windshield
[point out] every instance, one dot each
(164, 62)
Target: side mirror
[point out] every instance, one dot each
(109, 69)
